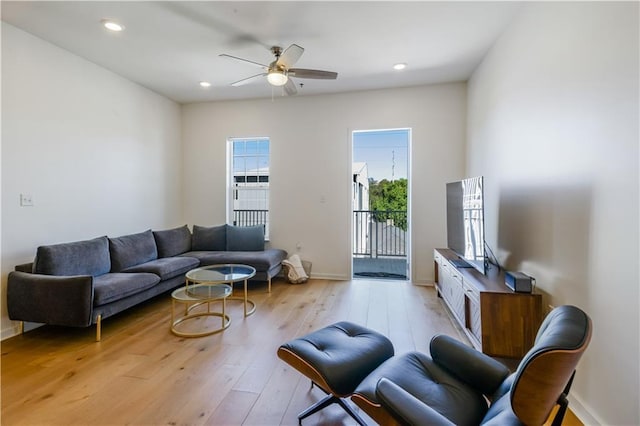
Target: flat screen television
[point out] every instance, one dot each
(465, 222)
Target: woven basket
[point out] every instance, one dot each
(306, 265)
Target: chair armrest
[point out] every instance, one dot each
(406, 408)
(467, 364)
(50, 299)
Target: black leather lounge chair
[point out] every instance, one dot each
(454, 385)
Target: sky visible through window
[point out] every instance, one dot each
(384, 151)
(251, 156)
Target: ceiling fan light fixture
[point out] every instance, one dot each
(277, 78)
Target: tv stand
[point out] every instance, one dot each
(497, 321)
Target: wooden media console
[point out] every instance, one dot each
(498, 321)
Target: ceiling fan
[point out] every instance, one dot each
(278, 72)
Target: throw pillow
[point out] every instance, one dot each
(172, 242)
(133, 249)
(89, 257)
(212, 238)
(245, 238)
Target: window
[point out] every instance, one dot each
(249, 177)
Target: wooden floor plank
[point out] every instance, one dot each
(400, 320)
(234, 408)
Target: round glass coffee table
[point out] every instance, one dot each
(198, 295)
(206, 285)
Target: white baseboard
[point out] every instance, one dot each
(15, 329)
(424, 283)
(333, 277)
(5, 333)
(582, 413)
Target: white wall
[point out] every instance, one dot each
(311, 165)
(553, 125)
(99, 154)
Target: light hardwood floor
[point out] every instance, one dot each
(141, 374)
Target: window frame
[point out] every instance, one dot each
(262, 181)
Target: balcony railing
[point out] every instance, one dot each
(251, 217)
(378, 233)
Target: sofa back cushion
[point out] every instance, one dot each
(172, 242)
(245, 238)
(89, 257)
(212, 238)
(130, 250)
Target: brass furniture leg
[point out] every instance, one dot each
(98, 328)
(245, 300)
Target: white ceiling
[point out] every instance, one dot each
(169, 47)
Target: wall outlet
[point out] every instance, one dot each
(26, 200)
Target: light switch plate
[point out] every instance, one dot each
(26, 200)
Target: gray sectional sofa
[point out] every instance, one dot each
(81, 283)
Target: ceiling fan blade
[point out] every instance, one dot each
(290, 88)
(224, 55)
(290, 56)
(248, 80)
(318, 74)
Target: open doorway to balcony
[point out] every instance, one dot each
(380, 200)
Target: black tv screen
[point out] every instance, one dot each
(465, 222)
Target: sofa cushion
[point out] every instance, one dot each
(262, 261)
(245, 238)
(89, 257)
(209, 238)
(167, 267)
(133, 249)
(115, 286)
(172, 242)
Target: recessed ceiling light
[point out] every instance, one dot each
(112, 25)
(400, 66)
(205, 84)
